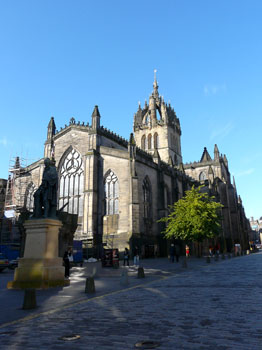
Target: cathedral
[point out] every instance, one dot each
(119, 188)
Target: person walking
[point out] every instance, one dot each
(67, 263)
(187, 251)
(177, 252)
(136, 256)
(126, 257)
(172, 253)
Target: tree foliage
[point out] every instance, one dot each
(194, 217)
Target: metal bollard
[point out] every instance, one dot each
(90, 285)
(140, 272)
(124, 278)
(29, 299)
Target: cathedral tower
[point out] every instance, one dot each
(157, 128)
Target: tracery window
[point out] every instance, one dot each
(111, 193)
(149, 141)
(143, 142)
(202, 176)
(29, 197)
(71, 183)
(147, 198)
(156, 141)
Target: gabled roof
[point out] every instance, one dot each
(205, 156)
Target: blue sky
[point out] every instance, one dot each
(60, 58)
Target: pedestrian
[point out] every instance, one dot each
(126, 257)
(172, 253)
(187, 251)
(210, 251)
(136, 256)
(67, 262)
(177, 252)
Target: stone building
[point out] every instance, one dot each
(213, 174)
(120, 188)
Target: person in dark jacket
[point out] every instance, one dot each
(126, 257)
(66, 263)
(172, 253)
(177, 252)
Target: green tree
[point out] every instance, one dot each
(194, 217)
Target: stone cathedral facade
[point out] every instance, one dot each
(120, 188)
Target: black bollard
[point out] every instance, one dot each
(29, 299)
(90, 285)
(140, 272)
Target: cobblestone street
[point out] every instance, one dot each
(211, 307)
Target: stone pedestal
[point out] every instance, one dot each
(40, 267)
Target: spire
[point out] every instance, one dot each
(96, 118)
(234, 183)
(216, 153)
(205, 156)
(132, 147)
(51, 128)
(225, 160)
(155, 86)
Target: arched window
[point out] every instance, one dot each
(147, 198)
(143, 142)
(202, 176)
(71, 183)
(111, 193)
(156, 142)
(29, 197)
(149, 141)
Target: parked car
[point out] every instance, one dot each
(258, 246)
(4, 263)
(13, 264)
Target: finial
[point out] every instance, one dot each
(155, 86)
(155, 74)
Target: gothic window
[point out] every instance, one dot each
(202, 176)
(147, 198)
(156, 141)
(111, 193)
(143, 142)
(71, 183)
(29, 197)
(149, 141)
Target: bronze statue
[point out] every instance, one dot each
(45, 198)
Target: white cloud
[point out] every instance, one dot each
(214, 89)
(222, 132)
(3, 141)
(246, 172)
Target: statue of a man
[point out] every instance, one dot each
(45, 198)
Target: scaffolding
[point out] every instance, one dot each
(14, 197)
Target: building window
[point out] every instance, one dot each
(202, 176)
(149, 141)
(143, 142)
(111, 193)
(156, 141)
(71, 183)
(29, 197)
(147, 198)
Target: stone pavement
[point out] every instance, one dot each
(206, 306)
